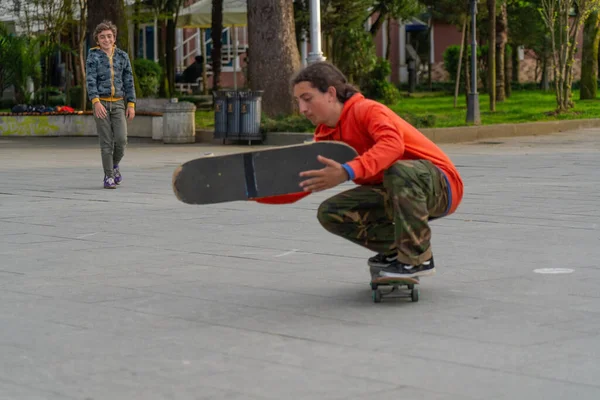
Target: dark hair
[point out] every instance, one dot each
(322, 75)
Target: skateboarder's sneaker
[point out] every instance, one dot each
(400, 270)
(109, 183)
(382, 260)
(117, 175)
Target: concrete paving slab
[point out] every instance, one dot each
(130, 294)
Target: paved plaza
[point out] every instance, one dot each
(131, 294)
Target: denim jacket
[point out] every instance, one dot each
(109, 78)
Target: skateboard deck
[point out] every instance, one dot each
(396, 284)
(268, 176)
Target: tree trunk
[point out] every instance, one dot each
(162, 60)
(501, 39)
(516, 64)
(275, 56)
(589, 57)
(112, 10)
(491, 4)
(170, 57)
(508, 71)
(466, 59)
(388, 46)
(546, 60)
(136, 29)
(216, 33)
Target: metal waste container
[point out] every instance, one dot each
(250, 114)
(220, 101)
(233, 115)
(238, 114)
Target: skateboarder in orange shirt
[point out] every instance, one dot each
(404, 179)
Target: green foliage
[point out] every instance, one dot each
(450, 11)
(376, 85)
(346, 43)
(19, 60)
(149, 86)
(149, 74)
(354, 53)
(525, 24)
(75, 98)
(7, 104)
(292, 123)
(395, 9)
(451, 57)
(145, 67)
(49, 92)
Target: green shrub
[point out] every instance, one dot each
(7, 104)
(424, 121)
(145, 67)
(54, 101)
(292, 123)
(149, 85)
(376, 85)
(451, 56)
(149, 74)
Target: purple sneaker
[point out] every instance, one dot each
(109, 183)
(117, 174)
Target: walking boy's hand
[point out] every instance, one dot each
(321, 179)
(99, 110)
(130, 113)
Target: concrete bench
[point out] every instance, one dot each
(145, 124)
(148, 122)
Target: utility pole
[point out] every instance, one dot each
(315, 54)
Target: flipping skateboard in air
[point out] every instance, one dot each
(267, 175)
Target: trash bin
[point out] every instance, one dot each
(233, 115)
(250, 115)
(220, 101)
(179, 122)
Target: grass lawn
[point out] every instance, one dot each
(438, 109)
(205, 119)
(522, 106)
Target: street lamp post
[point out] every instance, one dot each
(473, 115)
(315, 54)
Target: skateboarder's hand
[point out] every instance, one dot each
(321, 179)
(99, 110)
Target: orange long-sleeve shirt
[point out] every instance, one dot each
(381, 138)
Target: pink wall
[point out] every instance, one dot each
(444, 35)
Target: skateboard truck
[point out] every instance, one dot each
(397, 289)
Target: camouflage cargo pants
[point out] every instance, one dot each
(393, 215)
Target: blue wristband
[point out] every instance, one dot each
(349, 171)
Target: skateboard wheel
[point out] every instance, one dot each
(374, 286)
(414, 295)
(411, 286)
(377, 296)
